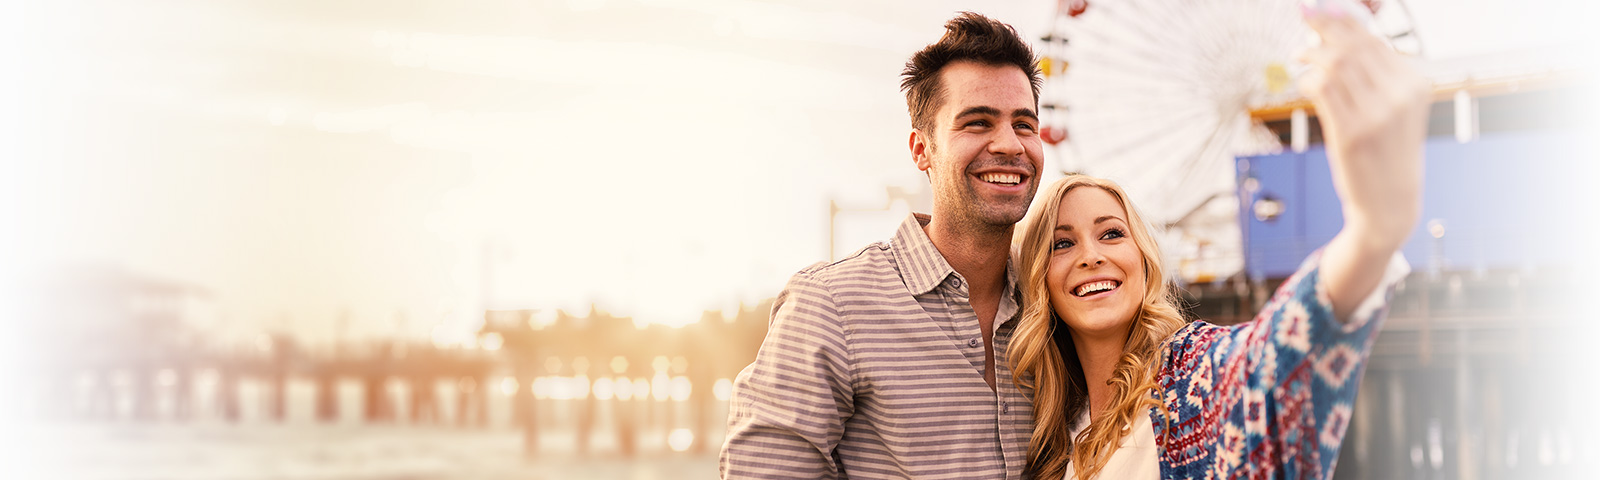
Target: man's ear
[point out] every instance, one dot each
(919, 150)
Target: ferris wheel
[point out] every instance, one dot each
(1158, 95)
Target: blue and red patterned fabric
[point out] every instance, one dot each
(1268, 398)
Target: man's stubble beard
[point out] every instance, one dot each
(969, 212)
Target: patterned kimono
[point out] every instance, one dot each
(1269, 398)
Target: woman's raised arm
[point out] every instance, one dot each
(1373, 107)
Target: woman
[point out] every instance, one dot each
(1123, 388)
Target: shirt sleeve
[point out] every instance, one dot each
(788, 408)
(1276, 392)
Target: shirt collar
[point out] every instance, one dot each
(923, 268)
(1010, 298)
(921, 265)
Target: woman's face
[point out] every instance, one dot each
(1096, 273)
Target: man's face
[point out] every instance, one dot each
(984, 153)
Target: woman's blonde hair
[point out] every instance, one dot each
(1044, 360)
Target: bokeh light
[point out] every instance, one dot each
(661, 387)
(603, 388)
(492, 341)
(681, 388)
(641, 388)
(680, 439)
(624, 388)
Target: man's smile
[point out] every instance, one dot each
(1001, 178)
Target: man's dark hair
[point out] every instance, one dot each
(972, 37)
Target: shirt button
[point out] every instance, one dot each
(972, 343)
(1005, 408)
(955, 282)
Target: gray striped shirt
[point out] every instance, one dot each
(873, 368)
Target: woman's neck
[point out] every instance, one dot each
(1099, 357)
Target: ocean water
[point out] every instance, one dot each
(204, 446)
(228, 451)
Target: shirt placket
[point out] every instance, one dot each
(967, 326)
(965, 322)
(1009, 409)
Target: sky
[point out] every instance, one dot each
(405, 165)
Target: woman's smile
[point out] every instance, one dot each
(1096, 289)
(1093, 264)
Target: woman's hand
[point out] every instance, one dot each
(1373, 107)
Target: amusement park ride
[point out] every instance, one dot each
(1192, 106)
(1165, 96)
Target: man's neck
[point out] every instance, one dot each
(978, 254)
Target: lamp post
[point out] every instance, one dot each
(913, 199)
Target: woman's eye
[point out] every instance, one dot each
(1112, 233)
(1060, 244)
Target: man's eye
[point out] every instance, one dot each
(1060, 244)
(978, 123)
(1112, 233)
(1024, 126)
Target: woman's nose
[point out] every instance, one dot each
(1091, 257)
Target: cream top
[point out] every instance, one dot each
(1135, 459)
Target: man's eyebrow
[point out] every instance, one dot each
(979, 110)
(995, 112)
(1097, 221)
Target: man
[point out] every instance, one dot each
(883, 364)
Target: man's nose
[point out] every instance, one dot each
(1006, 142)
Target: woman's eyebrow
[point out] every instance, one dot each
(1097, 221)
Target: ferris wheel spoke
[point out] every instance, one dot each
(1138, 124)
(1162, 89)
(1130, 139)
(1139, 25)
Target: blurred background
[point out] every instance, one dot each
(538, 238)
